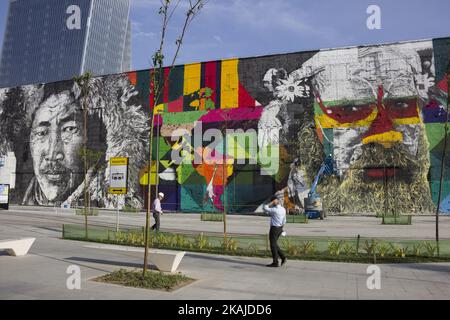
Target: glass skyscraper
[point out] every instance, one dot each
(39, 46)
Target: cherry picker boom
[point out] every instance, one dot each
(313, 203)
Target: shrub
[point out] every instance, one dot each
(307, 247)
(348, 249)
(290, 247)
(416, 249)
(334, 247)
(383, 249)
(431, 248)
(399, 250)
(253, 248)
(370, 247)
(201, 242)
(229, 244)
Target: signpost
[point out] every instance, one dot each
(4, 196)
(118, 180)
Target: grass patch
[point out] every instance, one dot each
(129, 209)
(152, 280)
(86, 212)
(211, 217)
(396, 219)
(297, 218)
(364, 250)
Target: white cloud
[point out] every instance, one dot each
(137, 30)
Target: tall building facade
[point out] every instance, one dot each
(52, 40)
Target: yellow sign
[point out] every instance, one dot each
(118, 190)
(118, 161)
(118, 175)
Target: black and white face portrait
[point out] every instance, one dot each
(55, 141)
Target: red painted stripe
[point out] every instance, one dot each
(210, 79)
(166, 85)
(152, 93)
(245, 100)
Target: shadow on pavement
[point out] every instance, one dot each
(111, 262)
(229, 260)
(426, 267)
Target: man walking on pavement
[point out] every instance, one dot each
(277, 221)
(157, 211)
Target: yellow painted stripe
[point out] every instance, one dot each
(192, 75)
(412, 120)
(229, 92)
(328, 123)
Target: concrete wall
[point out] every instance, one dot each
(378, 111)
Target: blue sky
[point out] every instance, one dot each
(241, 28)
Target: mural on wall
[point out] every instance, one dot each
(44, 126)
(229, 134)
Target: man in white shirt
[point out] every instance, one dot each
(277, 222)
(157, 210)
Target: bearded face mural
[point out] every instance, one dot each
(368, 110)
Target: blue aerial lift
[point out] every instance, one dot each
(313, 203)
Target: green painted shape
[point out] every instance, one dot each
(176, 118)
(187, 172)
(190, 198)
(435, 166)
(434, 185)
(435, 134)
(209, 104)
(246, 198)
(176, 82)
(163, 148)
(244, 178)
(328, 145)
(441, 53)
(143, 87)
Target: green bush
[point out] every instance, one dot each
(399, 250)
(334, 247)
(229, 244)
(130, 209)
(383, 250)
(86, 212)
(253, 249)
(417, 249)
(370, 247)
(430, 248)
(348, 249)
(307, 247)
(290, 247)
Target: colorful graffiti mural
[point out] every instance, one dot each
(232, 133)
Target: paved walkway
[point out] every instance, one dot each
(42, 274)
(423, 227)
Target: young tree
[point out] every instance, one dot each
(166, 10)
(83, 82)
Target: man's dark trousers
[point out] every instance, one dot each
(156, 215)
(274, 234)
